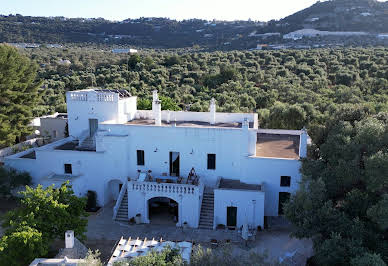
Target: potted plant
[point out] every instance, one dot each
(185, 225)
(138, 218)
(220, 226)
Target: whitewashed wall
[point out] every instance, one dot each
(269, 170)
(250, 206)
(189, 204)
(193, 144)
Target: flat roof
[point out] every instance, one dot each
(72, 146)
(277, 145)
(237, 184)
(30, 155)
(151, 122)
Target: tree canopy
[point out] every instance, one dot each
(18, 94)
(342, 203)
(43, 215)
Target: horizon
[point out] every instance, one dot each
(171, 9)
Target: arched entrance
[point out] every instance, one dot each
(163, 210)
(113, 189)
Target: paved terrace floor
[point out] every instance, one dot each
(277, 146)
(103, 233)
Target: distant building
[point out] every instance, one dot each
(311, 33)
(53, 127)
(124, 51)
(64, 62)
(383, 36)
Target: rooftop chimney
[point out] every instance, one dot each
(156, 108)
(245, 124)
(212, 114)
(69, 239)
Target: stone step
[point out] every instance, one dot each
(206, 223)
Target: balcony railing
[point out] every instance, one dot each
(170, 188)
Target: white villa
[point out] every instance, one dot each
(203, 168)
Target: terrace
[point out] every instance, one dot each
(277, 146)
(151, 122)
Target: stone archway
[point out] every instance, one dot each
(163, 211)
(113, 189)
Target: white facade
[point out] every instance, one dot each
(107, 132)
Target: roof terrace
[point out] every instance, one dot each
(277, 145)
(151, 122)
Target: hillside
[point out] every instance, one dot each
(337, 15)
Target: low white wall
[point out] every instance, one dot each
(199, 116)
(11, 150)
(250, 206)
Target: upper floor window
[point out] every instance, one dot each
(140, 157)
(68, 168)
(285, 181)
(211, 161)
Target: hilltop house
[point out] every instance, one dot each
(205, 168)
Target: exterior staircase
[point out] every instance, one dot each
(88, 144)
(207, 210)
(122, 213)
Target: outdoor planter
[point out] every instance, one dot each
(220, 226)
(138, 218)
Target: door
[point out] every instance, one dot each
(231, 216)
(93, 125)
(174, 163)
(283, 198)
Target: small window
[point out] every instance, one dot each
(68, 169)
(285, 181)
(140, 157)
(211, 161)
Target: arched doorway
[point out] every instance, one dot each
(163, 210)
(113, 189)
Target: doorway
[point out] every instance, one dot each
(231, 216)
(162, 210)
(93, 125)
(284, 197)
(174, 163)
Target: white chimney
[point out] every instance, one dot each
(69, 239)
(158, 113)
(245, 124)
(156, 108)
(212, 114)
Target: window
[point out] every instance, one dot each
(55, 134)
(211, 161)
(68, 169)
(140, 157)
(285, 181)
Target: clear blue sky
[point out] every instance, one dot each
(262, 10)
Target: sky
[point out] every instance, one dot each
(262, 10)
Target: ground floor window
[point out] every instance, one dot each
(284, 197)
(68, 168)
